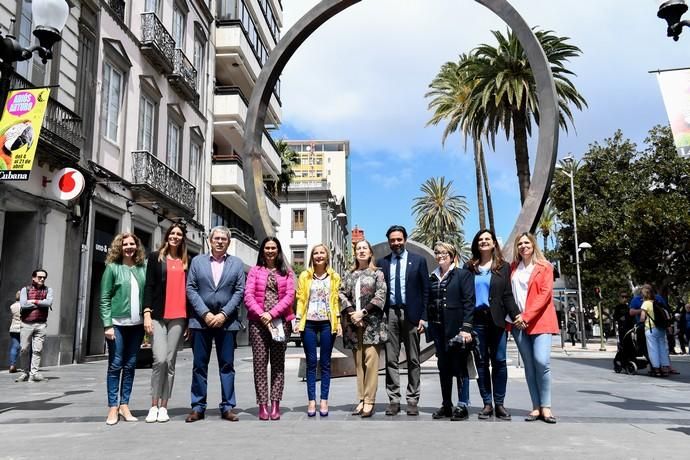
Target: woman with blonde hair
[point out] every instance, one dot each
(121, 301)
(165, 315)
(318, 318)
(362, 297)
(532, 283)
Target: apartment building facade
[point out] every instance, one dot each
(246, 32)
(316, 206)
(132, 110)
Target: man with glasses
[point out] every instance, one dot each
(215, 287)
(35, 301)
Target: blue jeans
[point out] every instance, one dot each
(202, 343)
(14, 348)
(657, 347)
(536, 358)
(491, 366)
(122, 362)
(318, 331)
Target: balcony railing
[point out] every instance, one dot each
(183, 76)
(61, 131)
(156, 43)
(118, 7)
(152, 175)
(232, 12)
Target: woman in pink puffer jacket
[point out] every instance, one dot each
(269, 295)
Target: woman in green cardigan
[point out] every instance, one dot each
(122, 298)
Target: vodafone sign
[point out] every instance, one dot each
(67, 184)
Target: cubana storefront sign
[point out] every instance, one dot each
(20, 128)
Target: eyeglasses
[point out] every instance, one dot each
(441, 254)
(219, 238)
(41, 277)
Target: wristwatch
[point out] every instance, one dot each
(365, 312)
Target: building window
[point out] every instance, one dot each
(178, 26)
(147, 121)
(152, 6)
(199, 61)
(298, 219)
(195, 169)
(298, 257)
(174, 147)
(112, 94)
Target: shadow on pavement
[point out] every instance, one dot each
(634, 404)
(40, 404)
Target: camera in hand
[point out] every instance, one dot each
(458, 342)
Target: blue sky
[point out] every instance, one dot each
(362, 77)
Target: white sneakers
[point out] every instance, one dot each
(162, 415)
(157, 414)
(152, 416)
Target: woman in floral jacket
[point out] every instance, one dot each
(362, 297)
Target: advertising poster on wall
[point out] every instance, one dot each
(20, 128)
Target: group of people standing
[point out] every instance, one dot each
(385, 304)
(476, 306)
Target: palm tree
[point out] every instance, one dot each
(439, 214)
(547, 221)
(450, 91)
(504, 94)
(288, 158)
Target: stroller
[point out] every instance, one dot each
(632, 353)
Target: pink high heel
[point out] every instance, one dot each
(263, 412)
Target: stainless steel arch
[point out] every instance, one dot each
(326, 9)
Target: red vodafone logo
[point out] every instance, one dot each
(68, 183)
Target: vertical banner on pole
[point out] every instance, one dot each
(20, 128)
(675, 90)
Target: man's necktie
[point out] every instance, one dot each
(398, 288)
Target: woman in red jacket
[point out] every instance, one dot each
(269, 295)
(532, 282)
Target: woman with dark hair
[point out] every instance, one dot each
(121, 301)
(494, 303)
(269, 295)
(449, 312)
(532, 281)
(165, 315)
(318, 321)
(362, 298)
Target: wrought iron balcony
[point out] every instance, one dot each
(156, 43)
(183, 77)
(61, 138)
(118, 7)
(156, 181)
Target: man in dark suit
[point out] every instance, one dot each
(215, 286)
(407, 280)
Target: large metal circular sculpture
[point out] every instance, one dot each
(326, 9)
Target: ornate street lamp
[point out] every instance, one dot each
(671, 11)
(50, 17)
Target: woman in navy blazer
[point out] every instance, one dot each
(494, 303)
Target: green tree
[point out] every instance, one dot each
(439, 214)
(546, 224)
(504, 94)
(450, 90)
(632, 207)
(288, 158)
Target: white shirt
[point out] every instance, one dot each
(134, 315)
(520, 283)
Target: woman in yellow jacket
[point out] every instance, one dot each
(318, 316)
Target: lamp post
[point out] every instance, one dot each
(50, 17)
(671, 11)
(569, 160)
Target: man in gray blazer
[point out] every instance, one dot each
(215, 286)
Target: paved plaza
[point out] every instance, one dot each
(601, 414)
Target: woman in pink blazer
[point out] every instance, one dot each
(532, 282)
(269, 295)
